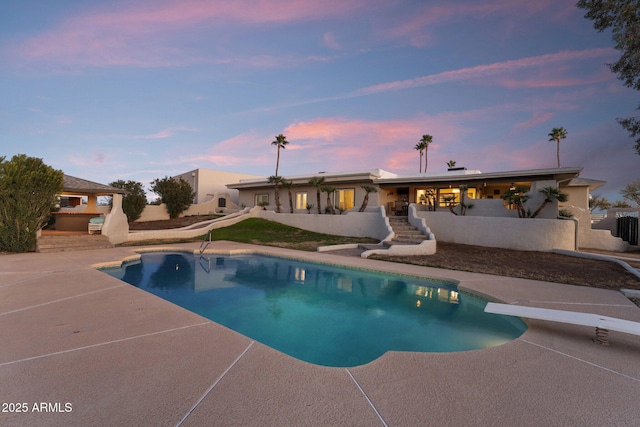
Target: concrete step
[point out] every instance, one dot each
(72, 243)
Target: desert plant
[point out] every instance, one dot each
(368, 189)
(517, 196)
(309, 207)
(28, 192)
(176, 194)
(280, 142)
(288, 184)
(317, 182)
(550, 194)
(276, 181)
(329, 189)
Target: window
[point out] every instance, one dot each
(301, 200)
(262, 199)
(452, 196)
(345, 198)
(222, 202)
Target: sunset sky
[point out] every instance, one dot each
(138, 90)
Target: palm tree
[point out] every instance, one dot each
(420, 146)
(276, 181)
(517, 196)
(317, 182)
(329, 189)
(556, 135)
(368, 189)
(280, 142)
(451, 164)
(288, 184)
(550, 194)
(426, 140)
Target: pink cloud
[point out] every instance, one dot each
(481, 71)
(535, 120)
(144, 34)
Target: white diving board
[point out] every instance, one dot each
(603, 324)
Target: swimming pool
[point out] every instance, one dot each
(322, 314)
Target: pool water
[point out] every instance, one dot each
(322, 314)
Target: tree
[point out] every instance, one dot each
(28, 193)
(176, 194)
(276, 181)
(631, 193)
(451, 164)
(317, 182)
(420, 146)
(517, 196)
(368, 189)
(329, 189)
(550, 194)
(134, 201)
(426, 140)
(288, 184)
(557, 134)
(624, 20)
(280, 142)
(620, 204)
(598, 202)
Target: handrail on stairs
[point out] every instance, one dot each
(205, 242)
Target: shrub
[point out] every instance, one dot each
(176, 194)
(28, 193)
(134, 201)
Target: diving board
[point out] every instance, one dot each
(603, 324)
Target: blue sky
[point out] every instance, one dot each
(138, 90)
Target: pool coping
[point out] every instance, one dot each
(84, 340)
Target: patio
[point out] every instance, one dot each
(119, 356)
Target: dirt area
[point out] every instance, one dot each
(170, 223)
(529, 265)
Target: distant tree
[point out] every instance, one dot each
(329, 189)
(550, 194)
(280, 142)
(28, 193)
(288, 184)
(426, 140)
(368, 189)
(623, 18)
(631, 193)
(598, 202)
(317, 182)
(621, 204)
(176, 194)
(557, 134)
(420, 146)
(134, 201)
(276, 181)
(451, 164)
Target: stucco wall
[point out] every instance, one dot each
(353, 224)
(510, 233)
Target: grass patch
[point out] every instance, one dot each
(259, 231)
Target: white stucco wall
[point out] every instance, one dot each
(208, 184)
(510, 233)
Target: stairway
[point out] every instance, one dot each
(405, 233)
(72, 242)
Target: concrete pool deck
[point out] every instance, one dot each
(80, 347)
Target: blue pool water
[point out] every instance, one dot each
(322, 314)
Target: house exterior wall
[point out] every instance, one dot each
(211, 184)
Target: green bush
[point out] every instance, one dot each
(134, 201)
(28, 193)
(176, 194)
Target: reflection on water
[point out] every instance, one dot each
(319, 313)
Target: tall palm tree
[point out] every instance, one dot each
(426, 140)
(276, 181)
(556, 135)
(280, 142)
(420, 146)
(317, 182)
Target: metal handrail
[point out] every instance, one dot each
(205, 244)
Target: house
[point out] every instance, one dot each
(434, 191)
(211, 185)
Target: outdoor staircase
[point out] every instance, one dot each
(405, 233)
(75, 242)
